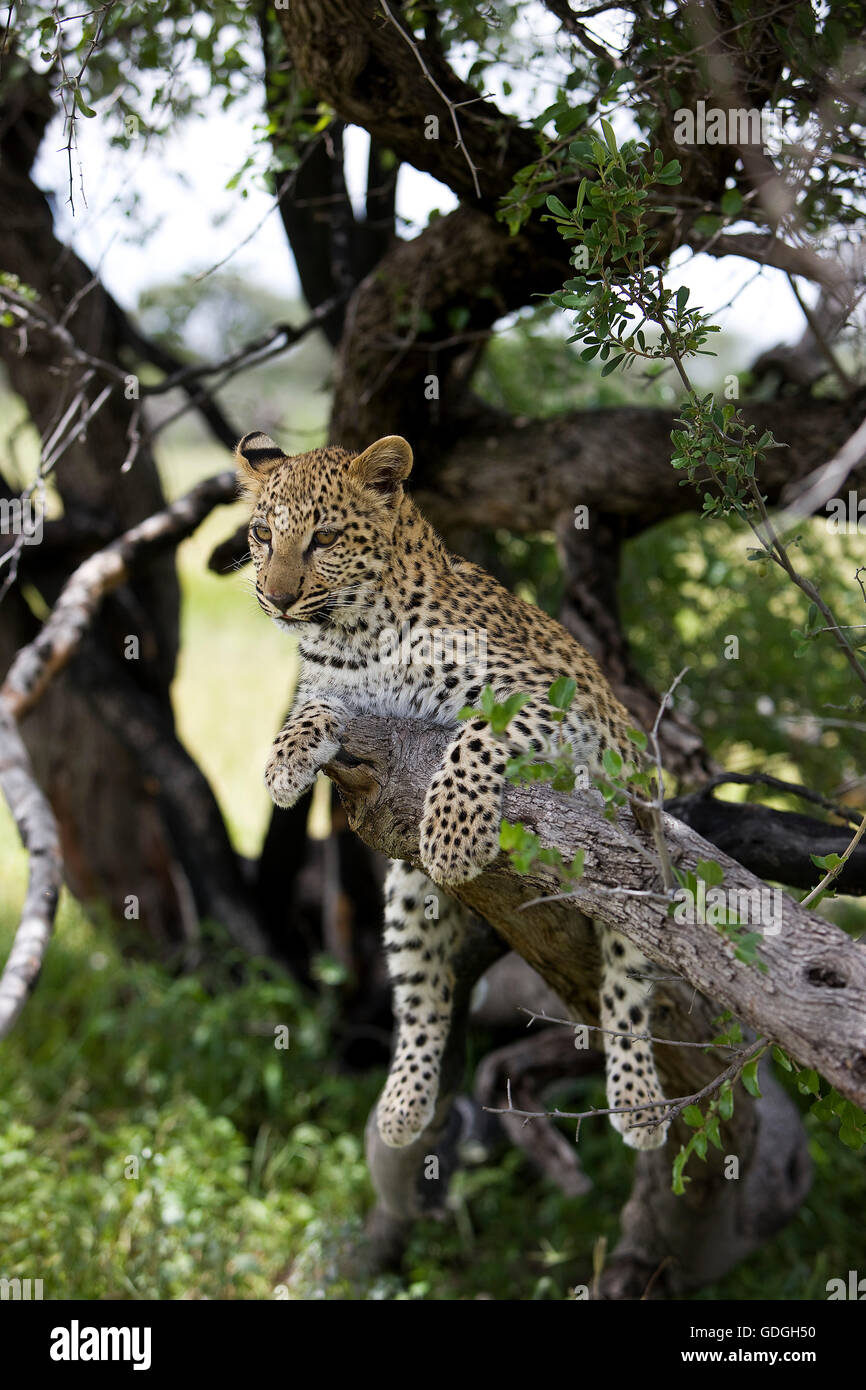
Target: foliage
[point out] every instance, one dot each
(686, 593)
(828, 1108)
(262, 1187)
(662, 66)
(238, 1144)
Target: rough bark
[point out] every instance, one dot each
(351, 55)
(522, 473)
(386, 360)
(812, 999)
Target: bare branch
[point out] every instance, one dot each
(672, 1108)
(633, 1037)
(832, 874)
(31, 672)
(765, 248)
(39, 835)
(37, 664)
(452, 107)
(811, 493)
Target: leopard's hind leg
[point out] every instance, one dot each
(424, 929)
(630, 1070)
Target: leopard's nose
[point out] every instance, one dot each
(282, 601)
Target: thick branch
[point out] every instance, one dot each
(774, 844)
(354, 57)
(812, 1000)
(522, 473)
(767, 249)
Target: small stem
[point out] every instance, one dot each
(834, 873)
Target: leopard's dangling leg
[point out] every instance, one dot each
(423, 932)
(630, 1069)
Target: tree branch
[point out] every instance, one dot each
(39, 835)
(765, 248)
(812, 1001)
(522, 473)
(37, 664)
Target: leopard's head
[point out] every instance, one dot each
(322, 528)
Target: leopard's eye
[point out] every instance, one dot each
(262, 532)
(324, 538)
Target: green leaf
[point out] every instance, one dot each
(671, 173)
(732, 201)
(713, 1133)
(554, 205)
(610, 138)
(710, 871)
(575, 868)
(510, 836)
(611, 762)
(826, 861)
(82, 105)
(749, 1077)
(562, 692)
(678, 1178)
(693, 1116)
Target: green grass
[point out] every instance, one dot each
(251, 1181)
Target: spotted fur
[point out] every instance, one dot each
(345, 562)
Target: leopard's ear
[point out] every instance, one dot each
(383, 466)
(256, 455)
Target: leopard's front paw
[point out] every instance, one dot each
(288, 777)
(458, 839)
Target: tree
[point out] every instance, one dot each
(415, 329)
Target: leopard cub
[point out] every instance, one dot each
(389, 622)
